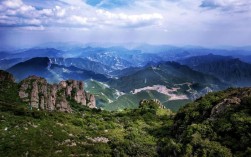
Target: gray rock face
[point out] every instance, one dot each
(222, 106)
(41, 95)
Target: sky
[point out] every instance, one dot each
(173, 22)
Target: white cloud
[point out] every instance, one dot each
(75, 14)
(161, 20)
(125, 20)
(12, 4)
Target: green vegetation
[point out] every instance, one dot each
(218, 124)
(175, 105)
(112, 100)
(197, 129)
(130, 101)
(103, 94)
(86, 132)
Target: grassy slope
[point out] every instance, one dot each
(57, 134)
(25, 132)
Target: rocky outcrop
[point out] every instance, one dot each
(5, 76)
(236, 98)
(222, 106)
(156, 102)
(41, 95)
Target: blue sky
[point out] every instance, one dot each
(177, 22)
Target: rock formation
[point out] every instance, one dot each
(41, 95)
(236, 98)
(156, 102)
(222, 106)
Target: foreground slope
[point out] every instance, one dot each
(85, 132)
(217, 124)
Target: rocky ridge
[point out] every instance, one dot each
(42, 95)
(232, 101)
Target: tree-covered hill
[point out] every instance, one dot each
(218, 124)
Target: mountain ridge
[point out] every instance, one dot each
(230, 70)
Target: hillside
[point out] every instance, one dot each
(205, 59)
(233, 71)
(111, 99)
(37, 52)
(84, 132)
(83, 63)
(41, 66)
(35, 66)
(173, 84)
(168, 74)
(215, 125)
(228, 69)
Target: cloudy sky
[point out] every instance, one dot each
(176, 22)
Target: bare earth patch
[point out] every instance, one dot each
(162, 89)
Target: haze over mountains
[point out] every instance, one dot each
(126, 75)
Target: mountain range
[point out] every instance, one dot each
(41, 66)
(174, 75)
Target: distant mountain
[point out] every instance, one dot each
(7, 63)
(110, 60)
(125, 72)
(72, 72)
(197, 60)
(246, 59)
(228, 69)
(83, 63)
(37, 52)
(174, 53)
(4, 54)
(41, 66)
(114, 57)
(35, 66)
(232, 71)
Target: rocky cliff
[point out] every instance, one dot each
(42, 95)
